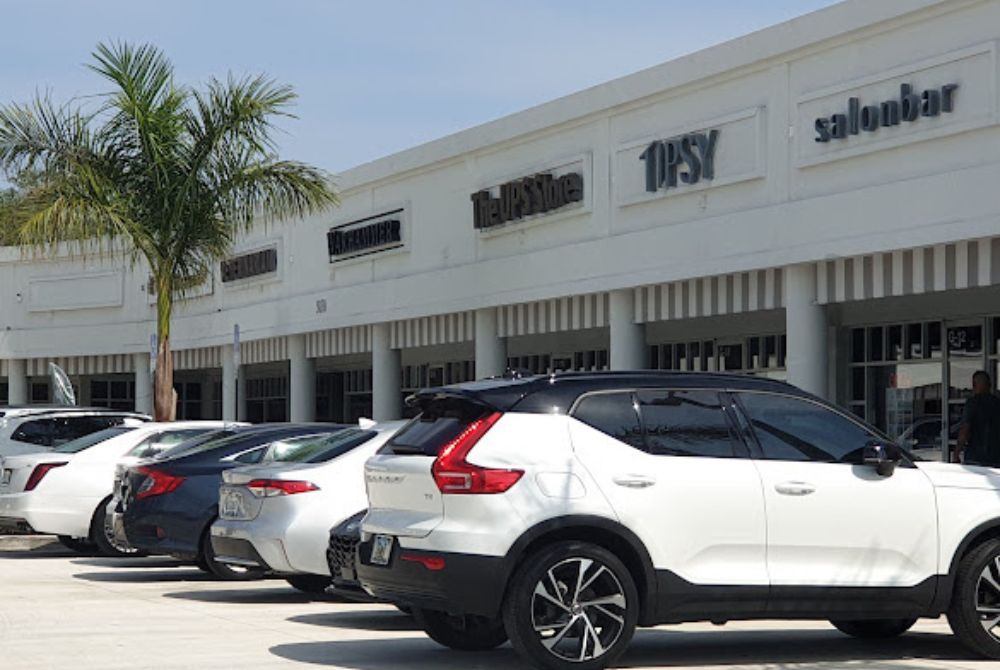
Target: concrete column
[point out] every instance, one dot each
(491, 349)
(17, 382)
(143, 383)
(301, 381)
(805, 325)
(628, 338)
(228, 384)
(387, 396)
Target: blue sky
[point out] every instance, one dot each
(377, 76)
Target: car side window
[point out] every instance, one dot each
(795, 429)
(687, 423)
(614, 414)
(37, 432)
(251, 456)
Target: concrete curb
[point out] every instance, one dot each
(25, 542)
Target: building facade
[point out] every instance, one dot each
(818, 202)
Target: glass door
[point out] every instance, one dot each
(965, 357)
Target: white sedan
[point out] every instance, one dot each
(277, 514)
(64, 492)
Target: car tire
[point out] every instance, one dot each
(541, 594)
(311, 584)
(975, 600)
(77, 544)
(100, 535)
(462, 633)
(873, 629)
(229, 573)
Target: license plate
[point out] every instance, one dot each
(5, 479)
(232, 505)
(381, 549)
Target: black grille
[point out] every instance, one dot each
(340, 556)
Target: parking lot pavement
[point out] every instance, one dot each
(63, 611)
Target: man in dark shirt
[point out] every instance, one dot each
(979, 432)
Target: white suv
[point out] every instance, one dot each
(563, 511)
(33, 428)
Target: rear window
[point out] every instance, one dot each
(317, 448)
(86, 441)
(199, 444)
(439, 423)
(158, 442)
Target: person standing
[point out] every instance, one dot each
(979, 432)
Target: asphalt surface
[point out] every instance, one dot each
(60, 610)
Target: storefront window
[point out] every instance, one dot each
(267, 399)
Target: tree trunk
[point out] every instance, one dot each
(164, 396)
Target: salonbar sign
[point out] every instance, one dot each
(365, 236)
(910, 106)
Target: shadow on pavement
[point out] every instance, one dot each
(57, 551)
(381, 620)
(137, 562)
(770, 650)
(247, 595)
(412, 653)
(145, 576)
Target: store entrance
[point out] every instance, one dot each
(912, 379)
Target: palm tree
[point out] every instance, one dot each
(156, 171)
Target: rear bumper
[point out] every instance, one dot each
(467, 584)
(235, 542)
(43, 514)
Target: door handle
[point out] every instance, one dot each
(794, 488)
(633, 481)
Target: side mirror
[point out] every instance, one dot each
(883, 457)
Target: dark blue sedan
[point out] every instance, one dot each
(170, 502)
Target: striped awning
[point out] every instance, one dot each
(198, 359)
(339, 342)
(553, 316)
(711, 296)
(82, 365)
(942, 267)
(432, 330)
(266, 350)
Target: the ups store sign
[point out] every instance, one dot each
(523, 197)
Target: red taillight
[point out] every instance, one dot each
(39, 472)
(157, 483)
(432, 563)
(268, 488)
(454, 474)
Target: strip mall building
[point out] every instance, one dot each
(818, 201)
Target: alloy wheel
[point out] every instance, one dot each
(578, 609)
(988, 598)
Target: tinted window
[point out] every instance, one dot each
(37, 432)
(613, 414)
(68, 428)
(686, 423)
(317, 448)
(158, 442)
(793, 429)
(196, 445)
(439, 423)
(251, 456)
(81, 443)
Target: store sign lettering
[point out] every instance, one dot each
(369, 235)
(868, 118)
(249, 265)
(519, 198)
(685, 159)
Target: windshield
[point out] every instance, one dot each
(317, 448)
(81, 443)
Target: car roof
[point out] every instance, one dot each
(12, 411)
(558, 391)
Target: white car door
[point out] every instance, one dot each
(831, 520)
(682, 481)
